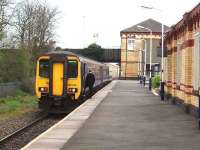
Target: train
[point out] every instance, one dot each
(61, 78)
(113, 70)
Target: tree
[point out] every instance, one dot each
(4, 17)
(34, 24)
(94, 46)
(93, 51)
(46, 20)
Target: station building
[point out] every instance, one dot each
(134, 41)
(182, 68)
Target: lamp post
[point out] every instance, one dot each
(140, 65)
(145, 61)
(162, 91)
(150, 63)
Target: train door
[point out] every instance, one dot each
(57, 78)
(83, 75)
(101, 74)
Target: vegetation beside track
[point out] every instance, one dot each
(20, 103)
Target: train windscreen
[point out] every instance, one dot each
(72, 69)
(44, 68)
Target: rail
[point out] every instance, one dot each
(6, 138)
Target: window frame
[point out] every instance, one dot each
(68, 69)
(39, 73)
(196, 65)
(131, 44)
(178, 63)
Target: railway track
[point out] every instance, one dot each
(24, 135)
(6, 138)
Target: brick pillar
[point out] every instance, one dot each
(188, 52)
(173, 65)
(169, 68)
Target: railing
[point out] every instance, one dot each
(8, 88)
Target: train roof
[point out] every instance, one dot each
(82, 58)
(61, 52)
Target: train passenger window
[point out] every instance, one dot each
(44, 68)
(72, 69)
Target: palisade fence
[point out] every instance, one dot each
(9, 88)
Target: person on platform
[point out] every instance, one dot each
(90, 80)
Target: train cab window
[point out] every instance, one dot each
(44, 68)
(72, 68)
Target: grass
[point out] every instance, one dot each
(20, 103)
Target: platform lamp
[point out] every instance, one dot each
(162, 91)
(145, 61)
(151, 46)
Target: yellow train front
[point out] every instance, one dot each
(60, 79)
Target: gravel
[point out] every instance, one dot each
(20, 140)
(25, 137)
(9, 126)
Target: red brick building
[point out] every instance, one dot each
(182, 68)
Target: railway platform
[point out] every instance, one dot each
(122, 116)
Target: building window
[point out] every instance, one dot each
(178, 64)
(196, 55)
(156, 68)
(131, 44)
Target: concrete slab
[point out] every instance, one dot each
(60, 133)
(49, 144)
(132, 118)
(70, 124)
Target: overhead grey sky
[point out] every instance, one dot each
(80, 20)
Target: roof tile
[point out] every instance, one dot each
(155, 26)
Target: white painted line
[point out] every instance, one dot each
(79, 116)
(154, 92)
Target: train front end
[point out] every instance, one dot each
(58, 81)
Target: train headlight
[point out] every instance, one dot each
(43, 89)
(72, 90)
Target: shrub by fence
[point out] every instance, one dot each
(156, 81)
(16, 65)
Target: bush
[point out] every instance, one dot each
(12, 106)
(17, 65)
(156, 81)
(93, 51)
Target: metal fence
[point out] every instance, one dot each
(9, 88)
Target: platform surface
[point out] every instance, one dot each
(132, 118)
